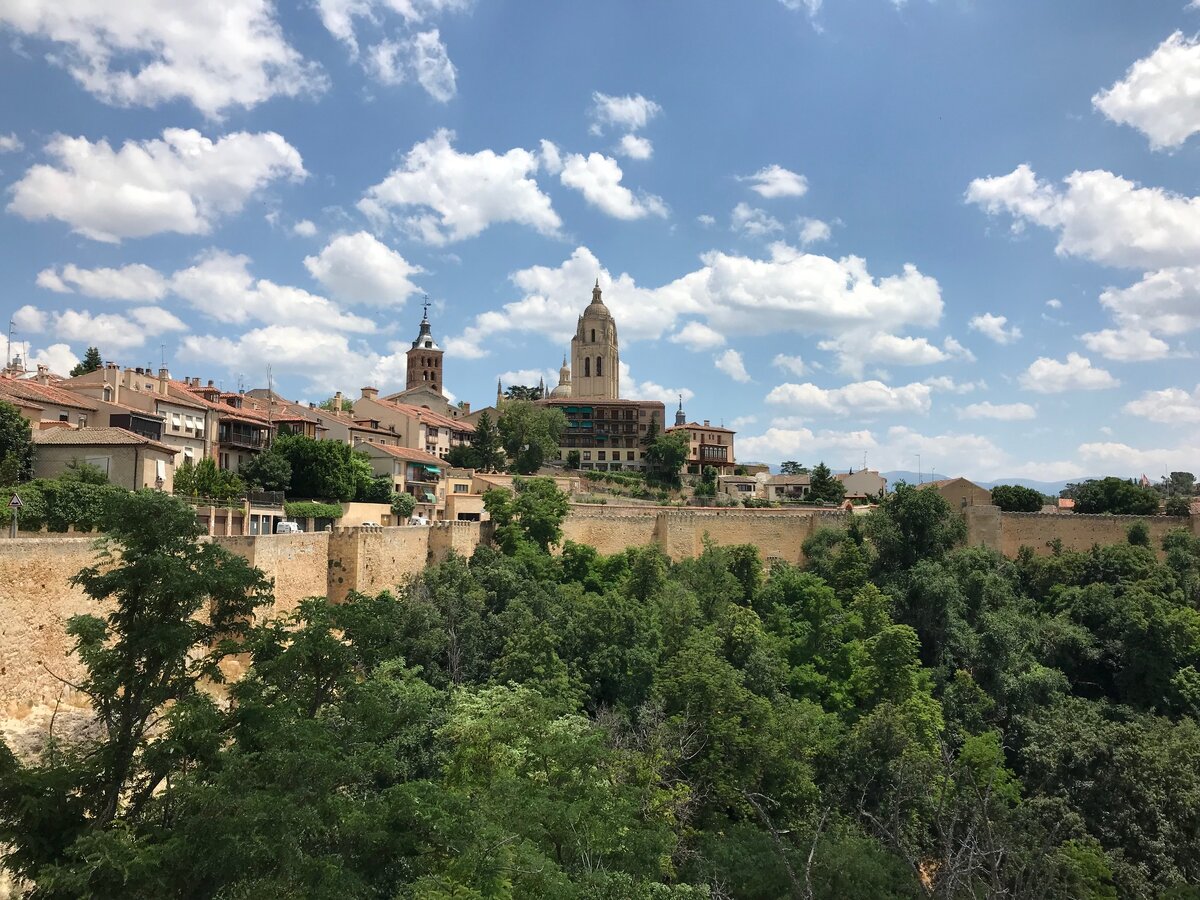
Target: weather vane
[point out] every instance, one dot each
(425, 306)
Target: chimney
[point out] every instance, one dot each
(337, 402)
(706, 423)
(466, 408)
(210, 383)
(43, 374)
(370, 393)
(164, 377)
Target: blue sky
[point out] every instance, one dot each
(960, 229)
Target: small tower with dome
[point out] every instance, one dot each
(595, 354)
(563, 389)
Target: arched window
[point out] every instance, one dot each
(587, 367)
(108, 395)
(599, 366)
(593, 335)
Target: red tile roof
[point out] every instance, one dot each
(26, 389)
(427, 416)
(96, 437)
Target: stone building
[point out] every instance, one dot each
(708, 445)
(595, 354)
(959, 492)
(425, 377)
(129, 460)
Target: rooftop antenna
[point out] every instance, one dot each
(270, 399)
(162, 355)
(8, 353)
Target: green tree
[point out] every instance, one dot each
(403, 505)
(824, 487)
(462, 456)
(534, 511)
(666, 456)
(90, 363)
(321, 470)
(486, 444)
(652, 432)
(573, 459)
(205, 480)
(1017, 498)
(791, 467)
(1178, 506)
(267, 471)
(522, 392)
(912, 524)
(530, 434)
(1179, 484)
(1117, 496)
(346, 405)
(70, 819)
(16, 445)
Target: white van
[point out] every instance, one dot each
(286, 527)
(418, 520)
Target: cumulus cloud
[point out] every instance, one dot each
(457, 195)
(358, 268)
(112, 331)
(1160, 94)
(635, 147)
(1126, 345)
(1049, 376)
(598, 178)
(630, 112)
(304, 228)
(216, 56)
(949, 385)
(793, 365)
(753, 222)
(134, 282)
(1003, 412)
(1054, 304)
(1170, 406)
(1099, 216)
(1166, 301)
(697, 336)
(58, 358)
(220, 285)
(786, 292)
(779, 442)
(10, 143)
(730, 362)
(992, 327)
(856, 348)
(776, 181)
(813, 231)
(1111, 456)
(863, 398)
(182, 183)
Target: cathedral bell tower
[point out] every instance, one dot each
(425, 358)
(595, 356)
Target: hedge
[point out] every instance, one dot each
(308, 509)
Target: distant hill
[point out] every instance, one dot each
(1050, 488)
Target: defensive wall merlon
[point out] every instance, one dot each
(36, 597)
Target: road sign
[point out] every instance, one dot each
(16, 502)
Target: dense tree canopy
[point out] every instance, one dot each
(901, 717)
(1017, 498)
(1117, 496)
(16, 445)
(530, 433)
(90, 363)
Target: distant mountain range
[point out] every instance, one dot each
(1050, 488)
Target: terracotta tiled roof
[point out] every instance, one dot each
(407, 454)
(425, 415)
(698, 427)
(230, 412)
(96, 437)
(25, 389)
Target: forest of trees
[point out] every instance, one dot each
(900, 717)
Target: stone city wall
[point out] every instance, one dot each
(1080, 532)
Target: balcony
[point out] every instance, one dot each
(244, 438)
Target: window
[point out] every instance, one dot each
(600, 455)
(587, 455)
(461, 488)
(629, 456)
(593, 335)
(587, 367)
(108, 394)
(188, 452)
(599, 366)
(63, 417)
(177, 420)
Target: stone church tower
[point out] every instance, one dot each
(595, 358)
(425, 360)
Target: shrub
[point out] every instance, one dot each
(307, 509)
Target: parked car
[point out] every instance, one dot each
(286, 527)
(418, 520)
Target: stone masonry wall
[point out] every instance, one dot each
(1080, 532)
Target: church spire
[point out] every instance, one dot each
(596, 292)
(680, 418)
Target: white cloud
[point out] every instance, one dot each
(1054, 304)
(1171, 406)
(697, 336)
(528, 377)
(1122, 459)
(950, 386)
(1049, 376)
(460, 194)
(434, 70)
(631, 112)
(10, 143)
(742, 421)
(108, 331)
(950, 453)
(730, 362)
(856, 348)
(752, 221)
(304, 228)
(786, 292)
(1166, 301)
(632, 389)
(135, 282)
(221, 286)
(776, 181)
(1160, 94)
(992, 327)
(215, 56)
(1100, 216)
(864, 398)
(181, 183)
(58, 358)
(778, 443)
(598, 178)
(1003, 412)
(1126, 345)
(358, 268)
(706, 220)
(635, 147)
(791, 364)
(813, 231)
(812, 7)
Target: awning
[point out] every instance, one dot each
(436, 470)
(429, 498)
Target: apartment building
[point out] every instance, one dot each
(417, 428)
(607, 434)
